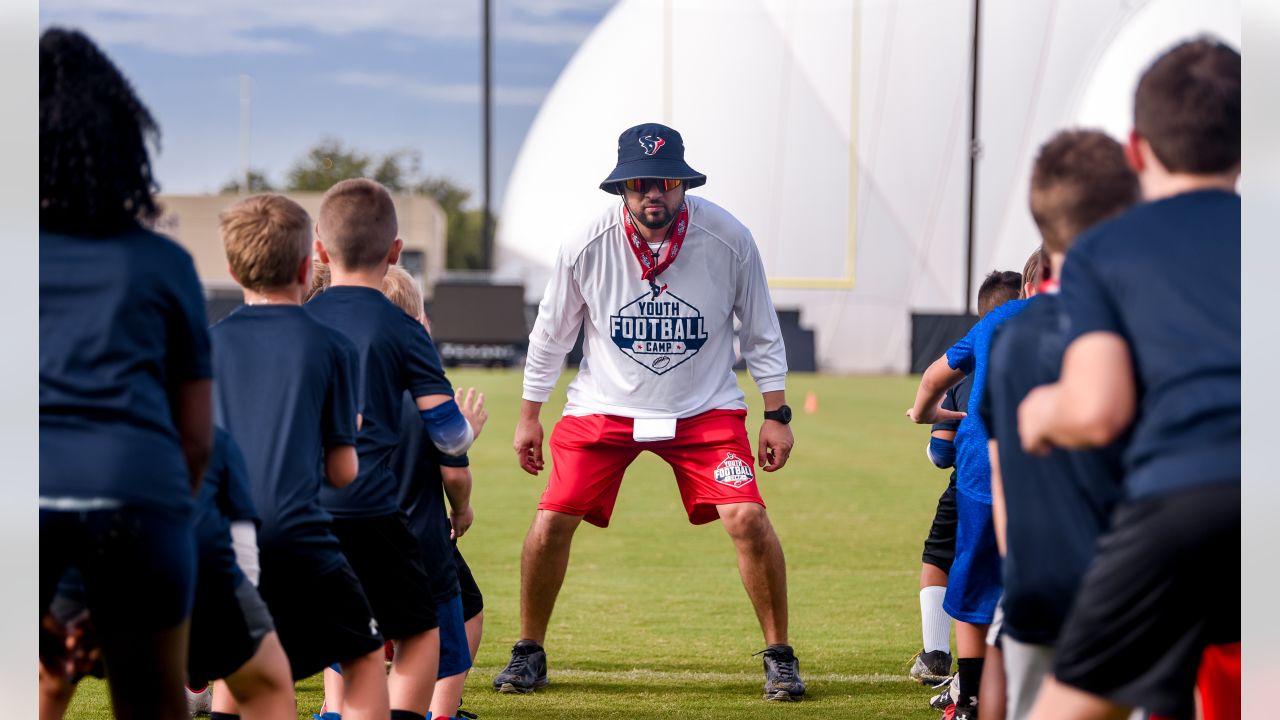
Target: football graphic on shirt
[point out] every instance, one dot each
(660, 332)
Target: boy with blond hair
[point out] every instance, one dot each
(356, 235)
(424, 472)
(285, 390)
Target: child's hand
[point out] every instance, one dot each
(929, 416)
(461, 522)
(472, 407)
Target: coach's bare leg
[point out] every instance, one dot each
(1057, 701)
(413, 671)
(761, 564)
(262, 687)
(365, 682)
(542, 566)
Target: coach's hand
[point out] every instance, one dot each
(775, 445)
(528, 442)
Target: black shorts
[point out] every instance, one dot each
(384, 555)
(320, 611)
(228, 624)
(1165, 583)
(940, 546)
(472, 600)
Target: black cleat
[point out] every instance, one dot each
(931, 668)
(525, 672)
(782, 681)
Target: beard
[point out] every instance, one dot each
(654, 218)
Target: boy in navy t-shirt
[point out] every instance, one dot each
(356, 237)
(1051, 510)
(1152, 300)
(285, 390)
(973, 585)
(125, 427)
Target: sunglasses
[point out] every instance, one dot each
(641, 185)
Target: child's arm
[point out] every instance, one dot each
(933, 386)
(1092, 403)
(235, 500)
(341, 465)
(193, 419)
(999, 516)
(457, 487)
(941, 449)
(244, 543)
(453, 423)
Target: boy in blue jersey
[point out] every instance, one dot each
(973, 586)
(1049, 511)
(125, 426)
(356, 236)
(932, 665)
(1152, 300)
(285, 390)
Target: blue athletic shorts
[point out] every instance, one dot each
(455, 653)
(974, 584)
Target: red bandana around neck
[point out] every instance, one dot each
(651, 267)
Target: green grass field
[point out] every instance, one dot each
(653, 620)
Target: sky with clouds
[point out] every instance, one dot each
(379, 75)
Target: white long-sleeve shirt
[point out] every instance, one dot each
(657, 357)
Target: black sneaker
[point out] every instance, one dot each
(966, 712)
(782, 674)
(526, 671)
(931, 668)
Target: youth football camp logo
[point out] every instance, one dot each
(651, 144)
(660, 334)
(734, 471)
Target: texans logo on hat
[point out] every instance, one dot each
(651, 144)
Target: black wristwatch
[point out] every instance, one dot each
(782, 414)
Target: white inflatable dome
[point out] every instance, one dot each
(838, 132)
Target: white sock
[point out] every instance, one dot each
(934, 621)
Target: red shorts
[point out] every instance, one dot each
(710, 455)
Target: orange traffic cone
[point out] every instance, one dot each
(811, 403)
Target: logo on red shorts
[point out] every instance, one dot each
(734, 471)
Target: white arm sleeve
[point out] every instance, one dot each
(559, 319)
(244, 542)
(759, 337)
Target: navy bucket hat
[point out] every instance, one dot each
(651, 151)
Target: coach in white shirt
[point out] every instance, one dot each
(656, 282)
